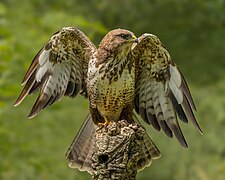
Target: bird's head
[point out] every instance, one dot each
(119, 40)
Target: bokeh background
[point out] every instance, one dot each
(192, 30)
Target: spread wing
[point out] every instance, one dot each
(161, 92)
(59, 69)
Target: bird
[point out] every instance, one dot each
(123, 77)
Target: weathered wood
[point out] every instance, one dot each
(117, 151)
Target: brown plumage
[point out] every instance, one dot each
(119, 76)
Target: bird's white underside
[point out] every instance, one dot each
(101, 86)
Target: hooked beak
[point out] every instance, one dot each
(135, 39)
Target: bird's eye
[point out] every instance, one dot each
(125, 36)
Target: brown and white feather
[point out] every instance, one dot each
(59, 68)
(161, 91)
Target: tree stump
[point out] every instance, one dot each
(117, 151)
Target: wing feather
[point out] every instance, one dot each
(187, 92)
(161, 91)
(178, 109)
(150, 107)
(59, 69)
(32, 68)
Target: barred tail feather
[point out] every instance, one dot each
(81, 149)
(148, 153)
(149, 150)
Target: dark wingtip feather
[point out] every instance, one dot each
(32, 68)
(187, 92)
(76, 90)
(29, 84)
(37, 85)
(50, 101)
(179, 135)
(166, 129)
(39, 105)
(70, 88)
(143, 114)
(178, 108)
(20, 98)
(190, 113)
(153, 121)
(136, 103)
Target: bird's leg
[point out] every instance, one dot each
(106, 122)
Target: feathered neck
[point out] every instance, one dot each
(112, 56)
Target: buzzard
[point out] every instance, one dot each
(124, 74)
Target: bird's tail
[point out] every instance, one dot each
(81, 149)
(149, 150)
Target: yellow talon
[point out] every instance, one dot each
(106, 123)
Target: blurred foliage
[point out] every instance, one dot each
(192, 30)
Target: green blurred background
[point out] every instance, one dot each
(194, 33)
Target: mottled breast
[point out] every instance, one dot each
(111, 87)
